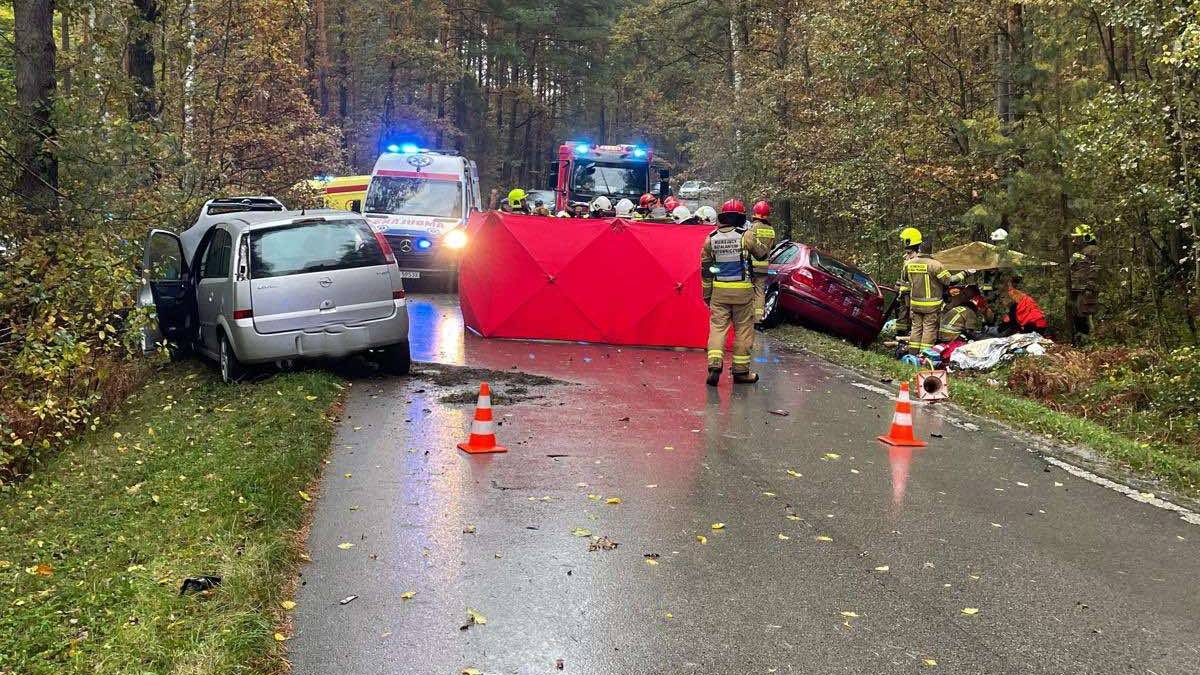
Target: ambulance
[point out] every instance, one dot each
(345, 193)
(420, 200)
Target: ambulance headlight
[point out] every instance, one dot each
(455, 239)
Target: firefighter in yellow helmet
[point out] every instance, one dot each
(760, 222)
(517, 201)
(1085, 288)
(925, 279)
(903, 315)
(725, 279)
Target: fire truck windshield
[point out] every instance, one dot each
(612, 179)
(414, 197)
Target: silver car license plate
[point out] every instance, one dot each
(409, 274)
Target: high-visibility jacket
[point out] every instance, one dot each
(725, 264)
(766, 236)
(1026, 311)
(958, 320)
(926, 279)
(1085, 268)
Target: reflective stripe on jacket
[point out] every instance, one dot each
(730, 265)
(957, 320)
(926, 278)
(766, 236)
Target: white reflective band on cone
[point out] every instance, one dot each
(484, 402)
(482, 427)
(904, 396)
(903, 419)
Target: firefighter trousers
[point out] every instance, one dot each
(760, 295)
(741, 316)
(924, 331)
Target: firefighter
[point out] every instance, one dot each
(671, 203)
(539, 208)
(925, 278)
(903, 315)
(624, 209)
(646, 204)
(681, 215)
(960, 320)
(760, 222)
(725, 280)
(1085, 293)
(707, 215)
(517, 201)
(601, 207)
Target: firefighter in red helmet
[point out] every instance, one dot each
(760, 223)
(725, 272)
(646, 204)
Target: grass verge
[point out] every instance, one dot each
(191, 477)
(1175, 465)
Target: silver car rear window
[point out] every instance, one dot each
(315, 246)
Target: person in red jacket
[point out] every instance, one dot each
(1024, 315)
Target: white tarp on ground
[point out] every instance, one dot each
(986, 354)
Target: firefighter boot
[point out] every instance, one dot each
(745, 378)
(714, 376)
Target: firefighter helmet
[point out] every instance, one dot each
(601, 203)
(999, 235)
(516, 196)
(670, 203)
(707, 214)
(734, 206)
(762, 209)
(647, 201)
(624, 208)
(1083, 230)
(910, 236)
(680, 213)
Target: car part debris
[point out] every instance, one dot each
(347, 600)
(199, 584)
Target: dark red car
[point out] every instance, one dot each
(818, 290)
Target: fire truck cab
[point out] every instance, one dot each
(585, 171)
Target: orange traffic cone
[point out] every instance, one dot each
(902, 424)
(483, 435)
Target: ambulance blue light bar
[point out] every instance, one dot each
(582, 149)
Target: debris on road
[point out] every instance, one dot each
(781, 413)
(718, 526)
(469, 529)
(581, 532)
(347, 600)
(702, 539)
(474, 618)
(407, 595)
(970, 611)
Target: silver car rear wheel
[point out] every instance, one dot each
(231, 368)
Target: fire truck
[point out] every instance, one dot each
(585, 171)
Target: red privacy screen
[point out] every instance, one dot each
(604, 280)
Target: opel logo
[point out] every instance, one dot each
(326, 282)
(406, 246)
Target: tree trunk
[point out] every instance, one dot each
(322, 58)
(140, 60)
(65, 30)
(37, 180)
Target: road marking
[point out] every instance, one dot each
(1185, 515)
(871, 387)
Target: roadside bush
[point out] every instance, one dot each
(67, 299)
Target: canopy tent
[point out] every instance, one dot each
(981, 256)
(595, 280)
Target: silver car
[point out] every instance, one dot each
(270, 287)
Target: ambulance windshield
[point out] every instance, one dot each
(404, 196)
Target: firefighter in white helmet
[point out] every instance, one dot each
(624, 209)
(707, 215)
(683, 216)
(601, 207)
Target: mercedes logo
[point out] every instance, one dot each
(326, 282)
(419, 160)
(406, 246)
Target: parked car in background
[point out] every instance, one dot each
(690, 189)
(814, 288)
(274, 286)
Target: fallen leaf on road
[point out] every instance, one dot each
(474, 618)
(602, 544)
(594, 498)
(882, 568)
(1057, 484)
(850, 615)
(970, 611)
(853, 470)
(702, 539)
(304, 495)
(651, 561)
(997, 525)
(613, 500)
(783, 537)
(831, 455)
(718, 526)
(348, 475)
(407, 595)
(358, 428)
(781, 413)
(280, 637)
(929, 663)
(347, 600)
(1022, 484)
(472, 671)
(794, 474)
(469, 529)
(821, 537)
(792, 516)
(581, 532)
(345, 546)
(288, 605)
(768, 494)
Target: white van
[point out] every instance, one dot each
(420, 200)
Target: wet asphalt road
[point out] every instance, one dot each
(863, 562)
